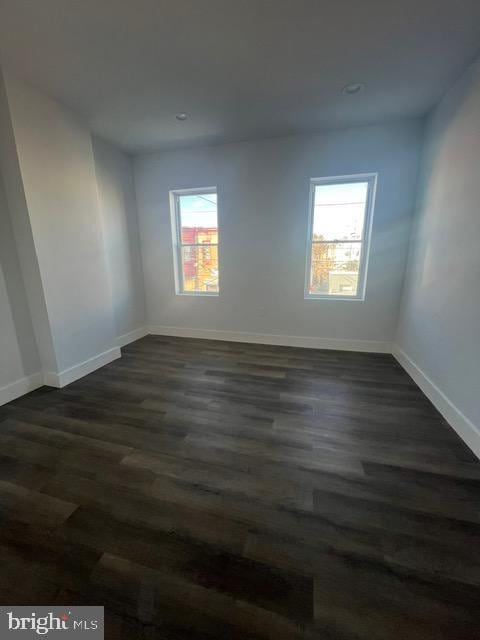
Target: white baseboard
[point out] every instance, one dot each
(464, 427)
(62, 378)
(372, 346)
(131, 336)
(20, 387)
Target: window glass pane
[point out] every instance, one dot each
(335, 268)
(198, 218)
(339, 211)
(200, 268)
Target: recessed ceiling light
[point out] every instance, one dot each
(353, 88)
(181, 116)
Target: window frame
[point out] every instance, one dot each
(177, 243)
(365, 241)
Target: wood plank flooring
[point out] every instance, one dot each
(206, 490)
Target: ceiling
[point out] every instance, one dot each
(239, 68)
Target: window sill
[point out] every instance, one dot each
(197, 294)
(334, 298)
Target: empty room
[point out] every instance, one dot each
(240, 319)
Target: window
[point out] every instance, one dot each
(339, 236)
(195, 241)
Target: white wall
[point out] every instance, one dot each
(263, 189)
(19, 359)
(57, 170)
(439, 324)
(114, 171)
(25, 245)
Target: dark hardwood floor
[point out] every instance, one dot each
(202, 489)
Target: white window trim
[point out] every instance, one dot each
(371, 178)
(177, 244)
